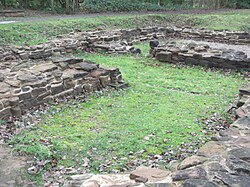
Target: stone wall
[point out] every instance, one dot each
(203, 55)
(221, 36)
(117, 41)
(26, 84)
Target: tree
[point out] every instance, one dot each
(67, 6)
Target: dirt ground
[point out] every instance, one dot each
(10, 166)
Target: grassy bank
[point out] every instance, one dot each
(34, 32)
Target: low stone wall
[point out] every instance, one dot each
(222, 162)
(26, 84)
(117, 41)
(203, 55)
(221, 36)
(12, 13)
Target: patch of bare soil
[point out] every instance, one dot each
(10, 167)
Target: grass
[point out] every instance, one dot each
(34, 32)
(161, 111)
(158, 113)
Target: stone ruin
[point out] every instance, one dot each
(200, 54)
(33, 75)
(115, 42)
(31, 83)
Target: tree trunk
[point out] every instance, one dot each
(67, 6)
(161, 3)
(26, 4)
(73, 6)
(52, 6)
(4, 3)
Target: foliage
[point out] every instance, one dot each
(120, 5)
(239, 4)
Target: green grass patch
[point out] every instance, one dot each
(157, 113)
(34, 32)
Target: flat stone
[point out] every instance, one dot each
(80, 74)
(243, 99)
(211, 149)
(13, 82)
(191, 161)
(238, 165)
(26, 77)
(2, 77)
(4, 87)
(194, 173)
(164, 56)
(242, 142)
(152, 174)
(141, 179)
(47, 67)
(214, 167)
(69, 60)
(241, 153)
(198, 183)
(159, 185)
(99, 72)
(57, 88)
(231, 180)
(192, 61)
(111, 180)
(86, 66)
(242, 123)
(71, 73)
(245, 90)
(81, 177)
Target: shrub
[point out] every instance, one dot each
(118, 6)
(239, 4)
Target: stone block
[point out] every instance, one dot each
(164, 56)
(65, 93)
(1, 105)
(68, 83)
(80, 74)
(38, 91)
(193, 173)
(192, 61)
(43, 95)
(47, 67)
(14, 101)
(68, 60)
(5, 102)
(5, 113)
(78, 89)
(56, 88)
(4, 87)
(87, 66)
(191, 161)
(104, 80)
(16, 111)
(24, 95)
